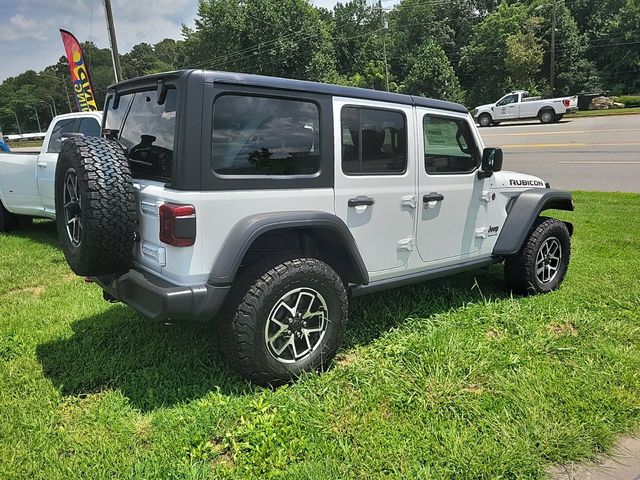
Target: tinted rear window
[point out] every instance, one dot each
(265, 136)
(148, 132)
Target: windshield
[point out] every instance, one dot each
(147, 131)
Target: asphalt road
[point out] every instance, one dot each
(590, 153)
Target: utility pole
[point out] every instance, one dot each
(50, 109)
(54, 105)
(66, 91)
(552, 55)
(37, 118)
(383, 24)
(17, 122)
(115, 57)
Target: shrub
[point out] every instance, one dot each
(630, 100)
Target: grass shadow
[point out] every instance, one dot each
(40, 231)
(374, 314)
(157, 365)
(153, 364)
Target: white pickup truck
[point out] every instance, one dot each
(520, 105)
(27, 179)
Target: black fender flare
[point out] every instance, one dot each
(245, 232)
(523, 213)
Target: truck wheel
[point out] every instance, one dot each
(287, 321)
(558, 118)
(484, 120)
(547, 116)
(8, 221)
(542, 263)
(95, 206)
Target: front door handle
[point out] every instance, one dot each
(433, 197)
(42, 165)
(361, 200)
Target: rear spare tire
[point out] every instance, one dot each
(95, 206)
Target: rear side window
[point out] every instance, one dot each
(448, 146)
(265, 136)
(148, 132)
(63, 126)
(374, 142)
(89, 127)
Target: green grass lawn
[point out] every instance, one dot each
(448, 379)
(604, 113)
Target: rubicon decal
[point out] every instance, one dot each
(526, 183)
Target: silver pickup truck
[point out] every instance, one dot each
(27, 179)
(520, 105)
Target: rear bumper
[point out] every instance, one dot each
(572, 110)
(159, 299)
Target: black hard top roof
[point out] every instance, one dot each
(297, 85)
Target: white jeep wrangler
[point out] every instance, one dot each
(266, 202)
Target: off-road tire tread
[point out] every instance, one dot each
(519, 269)
(239, 317)
(108, 204)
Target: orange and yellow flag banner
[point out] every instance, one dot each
(85, 99)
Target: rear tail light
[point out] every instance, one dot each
(178, 224)
(566, 102)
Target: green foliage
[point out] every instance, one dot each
(505, 39)
(269, 37)
(630, 101)
(433, 76)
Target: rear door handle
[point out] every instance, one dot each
(360, 201)
(433, 197)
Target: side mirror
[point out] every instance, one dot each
(491, 162)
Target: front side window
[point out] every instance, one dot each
(147, 132)
(57, 134)
(374, 142)
(265, 136)
(507, 100)
(448, 146)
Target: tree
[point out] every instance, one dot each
(432, 76)
(284, 38)
(355, 32)
(618, 55)
(497, 41)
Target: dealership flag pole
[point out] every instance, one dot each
(112, 40)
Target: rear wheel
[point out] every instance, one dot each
(558, 117)
(484, 120)
(287, 318)
(542, 263)
(547, 116)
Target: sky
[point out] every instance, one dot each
(29, 36)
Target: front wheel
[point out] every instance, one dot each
(287, 322)
(484, 120)
(542, 263)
